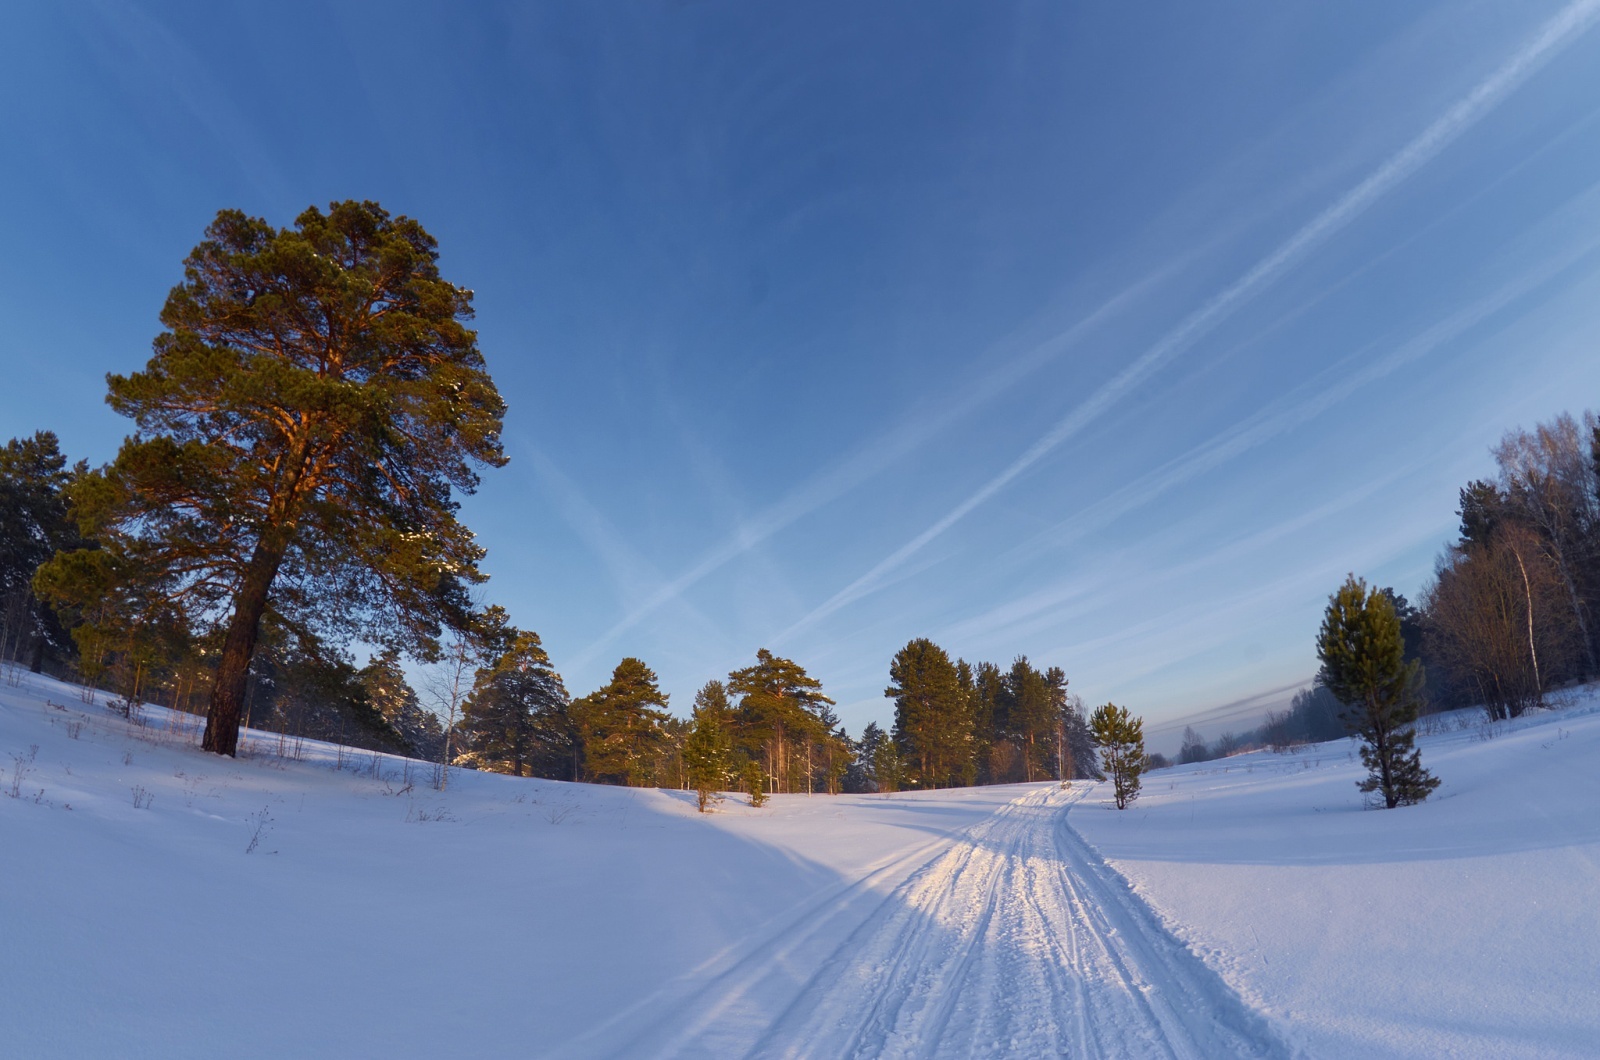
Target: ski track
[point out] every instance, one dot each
(1014, 939)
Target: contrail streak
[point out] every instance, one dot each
(1466, 112)
(868, 462)
(1309, 402)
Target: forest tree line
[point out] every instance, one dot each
(312, 408)
(1509, 613)
(493, 700)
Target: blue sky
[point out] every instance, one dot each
(1109, 334)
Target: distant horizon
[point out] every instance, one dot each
(1107, 339)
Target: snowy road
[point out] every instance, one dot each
(1015, 939)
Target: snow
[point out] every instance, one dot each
(1466, 926)
(1247, 907)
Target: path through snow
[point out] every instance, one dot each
(1015, 939)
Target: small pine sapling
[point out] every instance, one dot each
(705, 751)
(1120, 737)
(1363, 665)
(753, 783)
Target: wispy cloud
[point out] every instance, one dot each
(1148, 657)
(626, 568)
(1139, 654)
(1078, 596)
(1308, 401)
(877, 456)
(177, 71)
(1557, 32)
(1131, 573)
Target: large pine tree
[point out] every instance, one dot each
(932, 715)
(1030, 717)
(621, 726)
(783, 716)
(314, 402)
(516, 721)
(1363, 664)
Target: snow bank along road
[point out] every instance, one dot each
(1014, 939)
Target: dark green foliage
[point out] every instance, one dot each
(33, 526)
(988, 721)
(384, 681)
(706, 753)
(1120, 737)
(887, 766)
(1031, 714)
(308, 413)
(621, 726)
(784, 720)
(302, 688)
(33, 510)
(957, 723)
(1073, 754)
(125, 621)
(932, 716)
(1363, 664)
(862, 776)
(516, 720)
(754, 782)
(1482, 508)
(1411, 628)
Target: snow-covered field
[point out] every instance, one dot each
(161, 902)
(1466, 926)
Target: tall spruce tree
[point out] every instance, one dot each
(932, 716)
(33, 527)
(309, 411)
(392, 696)
(1074, 750)
(1363, 664)
(621, 726)
(516, 721)
(1030, 716)
(988, 720)
(1120, 736)
(863, 771)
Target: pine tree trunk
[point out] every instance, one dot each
(244, 628)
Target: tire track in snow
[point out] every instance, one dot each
(1019, 940)
(664, 1023)
(1179, 1007)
